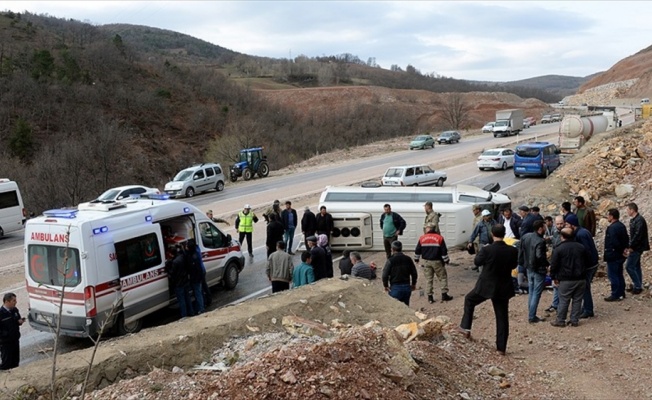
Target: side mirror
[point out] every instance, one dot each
(229, 239)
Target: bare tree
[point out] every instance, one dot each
(455, 111)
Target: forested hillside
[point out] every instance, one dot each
(85, 108)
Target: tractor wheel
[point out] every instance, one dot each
(263, 170)
(246, 174)
(234, 178)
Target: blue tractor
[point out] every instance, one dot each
(251, 162)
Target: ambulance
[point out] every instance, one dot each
(101, 257)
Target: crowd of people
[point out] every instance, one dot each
(557, 249)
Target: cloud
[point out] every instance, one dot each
(480, 40)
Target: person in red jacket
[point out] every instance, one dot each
(432, 248)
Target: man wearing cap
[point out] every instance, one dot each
(399, 274)
(318, 258)
(482, 230)
(244, 224)
(532, 256)
(527, 219)
(432, 218)
(477, 217)
(432, 248)
(392, 225)
(209, 214)
(583, 236)
(308, 225)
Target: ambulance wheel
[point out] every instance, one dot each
(231, 276)
(131, 327)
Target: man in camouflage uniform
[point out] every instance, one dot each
(432, 218)
(275, 208)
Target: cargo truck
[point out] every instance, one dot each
(508, 122)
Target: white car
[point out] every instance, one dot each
(496, 159)
(123, 192)
(489, 127)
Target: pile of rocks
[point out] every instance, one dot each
(602, 94)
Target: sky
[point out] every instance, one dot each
(475, 40)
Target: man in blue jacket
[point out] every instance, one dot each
(583, 236)
(392, 225)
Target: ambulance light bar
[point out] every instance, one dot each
(61, 213)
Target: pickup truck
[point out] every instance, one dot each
(546, 119)
(556, 118)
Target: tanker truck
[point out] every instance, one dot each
(508, 122)
(575, 130)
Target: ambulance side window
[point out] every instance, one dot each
(211, 237)
(138, 254)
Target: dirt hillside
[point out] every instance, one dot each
(423, 105)
(637, 67)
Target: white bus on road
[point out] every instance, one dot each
(356, 213)
(12, 212)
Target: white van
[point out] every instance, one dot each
(413, 175)
(356, 213)
(196, 179)
(103, 256)
(12, 212)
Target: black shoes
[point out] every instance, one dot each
(550, 309)
(431, 299)
(586, 315)
(611, 298)
(536, 320)
(446, 297)
(637, 291)
(558, 324)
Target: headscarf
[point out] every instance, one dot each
(322, 240)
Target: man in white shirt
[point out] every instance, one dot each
(511, 221)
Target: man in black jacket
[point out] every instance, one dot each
(10, 322)
(399, 274)
(392, 225)
(495, 283)
(568, 266)
(511, 222)
(616, 241)
(638, 243)
(532, 255)
(308, 225)
(324, 223)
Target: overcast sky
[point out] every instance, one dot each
(490, 41)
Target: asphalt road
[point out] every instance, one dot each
(458, 160)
